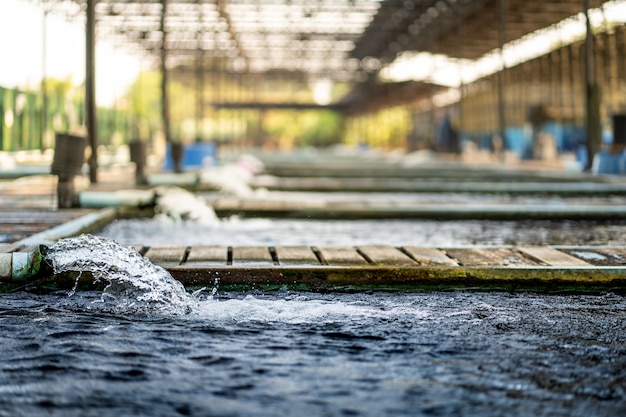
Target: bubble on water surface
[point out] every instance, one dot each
(297, 309)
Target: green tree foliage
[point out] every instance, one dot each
(304, 128)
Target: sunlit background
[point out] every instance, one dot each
(42, 41)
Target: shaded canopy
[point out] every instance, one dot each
(341, 40)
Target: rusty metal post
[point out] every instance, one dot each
(165, 110)
(592, 93)
(199, 90)
(44, 72)
(199, 74)
(502, 28)
(460, 43)
(176, 148)
(90, 90)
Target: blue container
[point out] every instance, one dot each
(196, 155)
(519, 142)
(606, 163)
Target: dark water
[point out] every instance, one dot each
(300, 354)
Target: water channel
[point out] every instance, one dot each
(139, 349)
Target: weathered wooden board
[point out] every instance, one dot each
(342, 255)
(385, 255)
(551, 256)
(430, 256)
(615, 256)
(9, 247)
(207, 255)
(296, 255)
(252, 255)
(489, 256)
(166, 255)
(19, 224)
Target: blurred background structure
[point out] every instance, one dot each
(504, 79)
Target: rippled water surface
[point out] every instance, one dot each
(301, 354)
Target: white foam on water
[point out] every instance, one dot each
(179, 205)
(297, 310)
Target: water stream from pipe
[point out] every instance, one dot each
(132, 281)
(136, 286)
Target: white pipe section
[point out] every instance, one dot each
(19, 265)
(126, 198)
(180, 179)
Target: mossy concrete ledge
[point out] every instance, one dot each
(371, 278)
(373, 267)
(327, 278)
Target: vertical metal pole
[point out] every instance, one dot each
(571, 74)
(44, 94)
(165, 108)
(199, 94)
(460, 37)
(199, 75)
(504, 6)
(90, 90)
(561, 86)
(592, 90)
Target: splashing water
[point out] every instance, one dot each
(182, 205)
(133, 282)
(136, 286)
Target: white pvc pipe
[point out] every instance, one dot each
(19, 265)
(180, 179)
(126, 198)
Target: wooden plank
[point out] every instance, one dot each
(342, 255)
(468, 257)
(296, 255)
(206, 255)
(599, 257)
(490, 257)
(430, 256)
(551, 256)
(386, 255)
(9, 247)
(258, 255)
(166, 255)
(24, 220)
(617, 256)
(507, 256)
